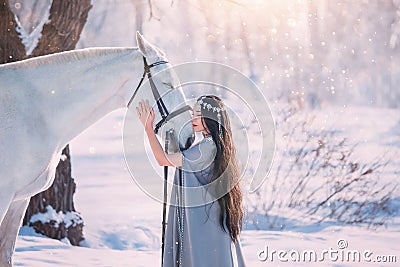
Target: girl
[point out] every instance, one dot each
(200, 231)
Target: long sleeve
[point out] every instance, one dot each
(197, 222)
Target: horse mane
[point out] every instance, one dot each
(69, 56)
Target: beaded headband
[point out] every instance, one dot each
(208, 106)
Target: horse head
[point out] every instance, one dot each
(172, 101)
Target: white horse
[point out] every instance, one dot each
(47, 101)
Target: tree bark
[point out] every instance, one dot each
(11, 47)
(66, 21)
(60, 198)
(60, 33)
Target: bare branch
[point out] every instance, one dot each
(151, 11)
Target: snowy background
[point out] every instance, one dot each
(330, 70)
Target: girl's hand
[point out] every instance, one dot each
(145, 114)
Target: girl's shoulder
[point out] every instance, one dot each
(207, 139)
(207, 143)
(200, 155)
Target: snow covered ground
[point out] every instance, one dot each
(123, 224)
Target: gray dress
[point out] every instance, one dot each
(194, 237)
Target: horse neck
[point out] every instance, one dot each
(86, 90)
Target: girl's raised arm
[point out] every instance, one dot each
(146, 116)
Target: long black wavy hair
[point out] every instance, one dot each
(225, 166)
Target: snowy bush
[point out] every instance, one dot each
(316, 178)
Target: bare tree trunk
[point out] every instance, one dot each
(66, 21)
(60, 33)
(11, 47)
(60, 198)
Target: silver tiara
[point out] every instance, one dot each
(208, 106)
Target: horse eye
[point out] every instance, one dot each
(170, 86)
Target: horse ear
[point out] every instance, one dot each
(147, 49)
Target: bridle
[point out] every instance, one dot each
(165, 115)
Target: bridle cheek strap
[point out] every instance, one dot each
(165, 115)
(170, 116)
(146, 71)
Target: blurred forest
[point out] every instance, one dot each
(308, 52)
